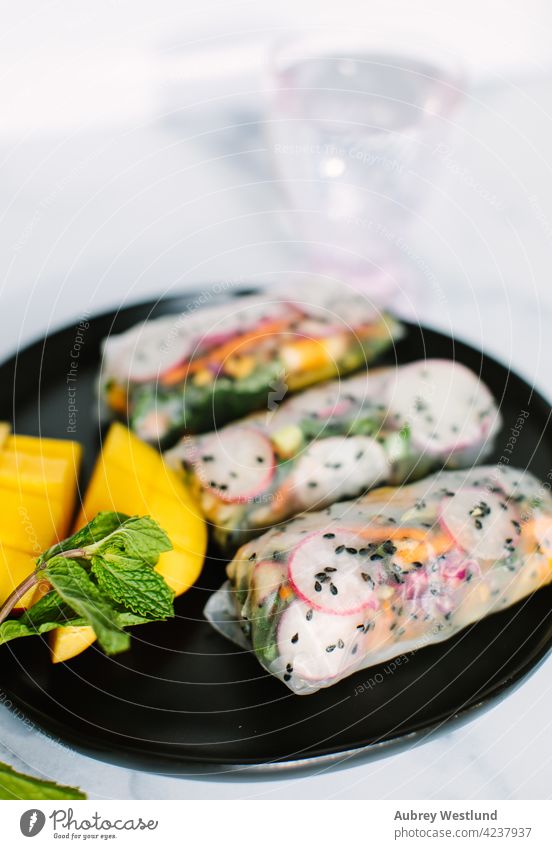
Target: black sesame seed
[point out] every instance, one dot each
(253, 556)
(207, 458)
(339, 549)
(318, 586)
(351, 550)
(295, 638)
(312, 484)
(309, 615)
(333, 589)
(260, 459)
(376, 556)
(340, 644)
(330, 569)
(287, 677)
(388, 547)
(330, 648)
(329, 536)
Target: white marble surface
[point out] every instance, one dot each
(91, 220)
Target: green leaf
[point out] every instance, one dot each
(121, 589)
(135, 585)
(101, 526)
(46, 614)
(50, 608)
(52, 612)
(14, 785)
(76, 588)
(139, 538)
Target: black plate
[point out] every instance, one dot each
(185, 700)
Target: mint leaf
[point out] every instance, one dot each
(139, 538)
(102, 576)
(50, 608)
(14, 628)
(76, 588)
(14, 786)
(48, 613)
(52, 612)
(134, 584)
(102, 525)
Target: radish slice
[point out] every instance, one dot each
(340, 397)
(148, 350)
(338, 408)
(446, 406)
(237, 463)
(321, 402)
(332, 572)
(143, 354)
(313, 328)
(266, 579)
(315, 646)
(483, 524)
(336, 468)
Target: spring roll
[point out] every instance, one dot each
(336, 442)
(196, 371)
(337, 591)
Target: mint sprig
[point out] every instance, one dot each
(16, 786)
(101, 576)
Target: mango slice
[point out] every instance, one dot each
(47, 465)
(132, 478)
(14, 568)
(38, 484)
(68, 642)
(30, 522)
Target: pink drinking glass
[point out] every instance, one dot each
(355, 132)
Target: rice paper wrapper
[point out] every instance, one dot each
(332, 593)
(220, 611)
(335, 442)
(215, 362)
